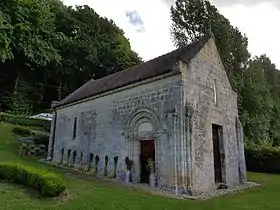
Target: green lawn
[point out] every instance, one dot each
(85, 194)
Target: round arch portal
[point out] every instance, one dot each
(142, 124)
(141, 141)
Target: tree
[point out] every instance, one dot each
(193, 18)
(48, 50)
(275, 124)
(260, 101)
(257, 103)
(94, 48)
(31, 29)
(5, 37)
(272, 75)
(29, 32)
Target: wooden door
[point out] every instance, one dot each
(217, 154)
(147, 152)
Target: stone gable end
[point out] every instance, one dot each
(210, 99)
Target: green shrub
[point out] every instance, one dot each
(25, 121)
(129, 163)
(96, 163)
(47, 183)
(22, 131)
(41, 139)
(105, 172)
(262, 158)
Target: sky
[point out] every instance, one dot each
(146, 23)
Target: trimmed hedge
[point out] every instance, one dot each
(22, 131)
(41, 139)
(25, 121)
(262, 158)
(47, 183)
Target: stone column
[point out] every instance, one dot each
(170, 167)
(61, 157)
(241, 155)
(176, 155)
(176, 136)
(182, 148)
(52, 137)
(189, 147)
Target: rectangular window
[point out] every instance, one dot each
(75, 128)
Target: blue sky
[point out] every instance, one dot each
(147, 23)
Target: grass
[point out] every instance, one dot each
(85, 194)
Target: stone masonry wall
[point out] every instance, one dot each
(102, 126)
(199, 80)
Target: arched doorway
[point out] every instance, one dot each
(147, 150)
(142, 141)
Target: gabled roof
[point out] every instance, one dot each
(155, 67)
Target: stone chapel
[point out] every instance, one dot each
(178, 109)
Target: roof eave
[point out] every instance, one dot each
(57, 105)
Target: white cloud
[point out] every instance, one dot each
(258, 21)
(136, 20)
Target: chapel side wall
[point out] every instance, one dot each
(111, 114)
(198, 79)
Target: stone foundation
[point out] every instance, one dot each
(164, 191)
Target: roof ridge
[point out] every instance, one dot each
(151, 68)
(160, 56)
(145, 62)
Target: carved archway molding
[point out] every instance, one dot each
(137, 118)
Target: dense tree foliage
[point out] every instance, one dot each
(257, 81)
(48, 50)
(257, 102)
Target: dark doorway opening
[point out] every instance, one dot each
(147, 152)
(218, 152)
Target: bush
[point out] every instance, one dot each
(262, 158)
(41, 139)
(25, 121)
(129, 163)
(47, 183)
(22, 131)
